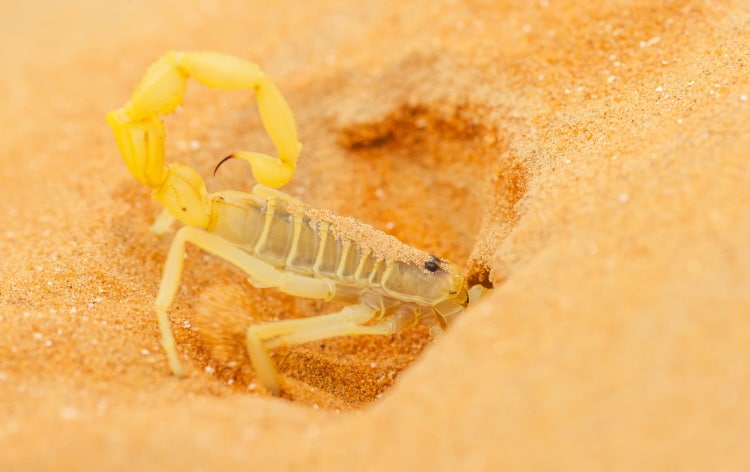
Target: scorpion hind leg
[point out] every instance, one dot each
(349, 321)
(162, 223)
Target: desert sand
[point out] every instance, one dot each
(590, 160)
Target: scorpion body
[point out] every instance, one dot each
(353, 260)
(275, 239)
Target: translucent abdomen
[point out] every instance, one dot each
(293, 237)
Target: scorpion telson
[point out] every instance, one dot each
(276, 240)
(222, 162)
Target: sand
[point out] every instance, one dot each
(590, 160)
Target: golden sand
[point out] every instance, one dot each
(589, 159)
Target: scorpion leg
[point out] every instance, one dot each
(347, 322)
(260, 273)
(162, 223)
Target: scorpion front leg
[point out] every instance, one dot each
(140, 132)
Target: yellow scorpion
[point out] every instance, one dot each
(275, 239)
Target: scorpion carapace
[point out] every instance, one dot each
(275, 239)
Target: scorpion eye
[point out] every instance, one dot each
(432, 264)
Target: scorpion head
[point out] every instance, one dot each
(450, 282)
(432, 283)
(454, 291)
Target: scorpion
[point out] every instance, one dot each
(275, 239)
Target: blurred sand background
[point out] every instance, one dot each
(589, 159)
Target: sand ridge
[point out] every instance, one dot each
(590, 160)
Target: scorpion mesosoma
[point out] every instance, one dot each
(275, 239)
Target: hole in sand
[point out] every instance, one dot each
(432, 176)
(437, 181)
(428, 174)
(453, 184)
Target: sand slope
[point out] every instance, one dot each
(588, 159)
